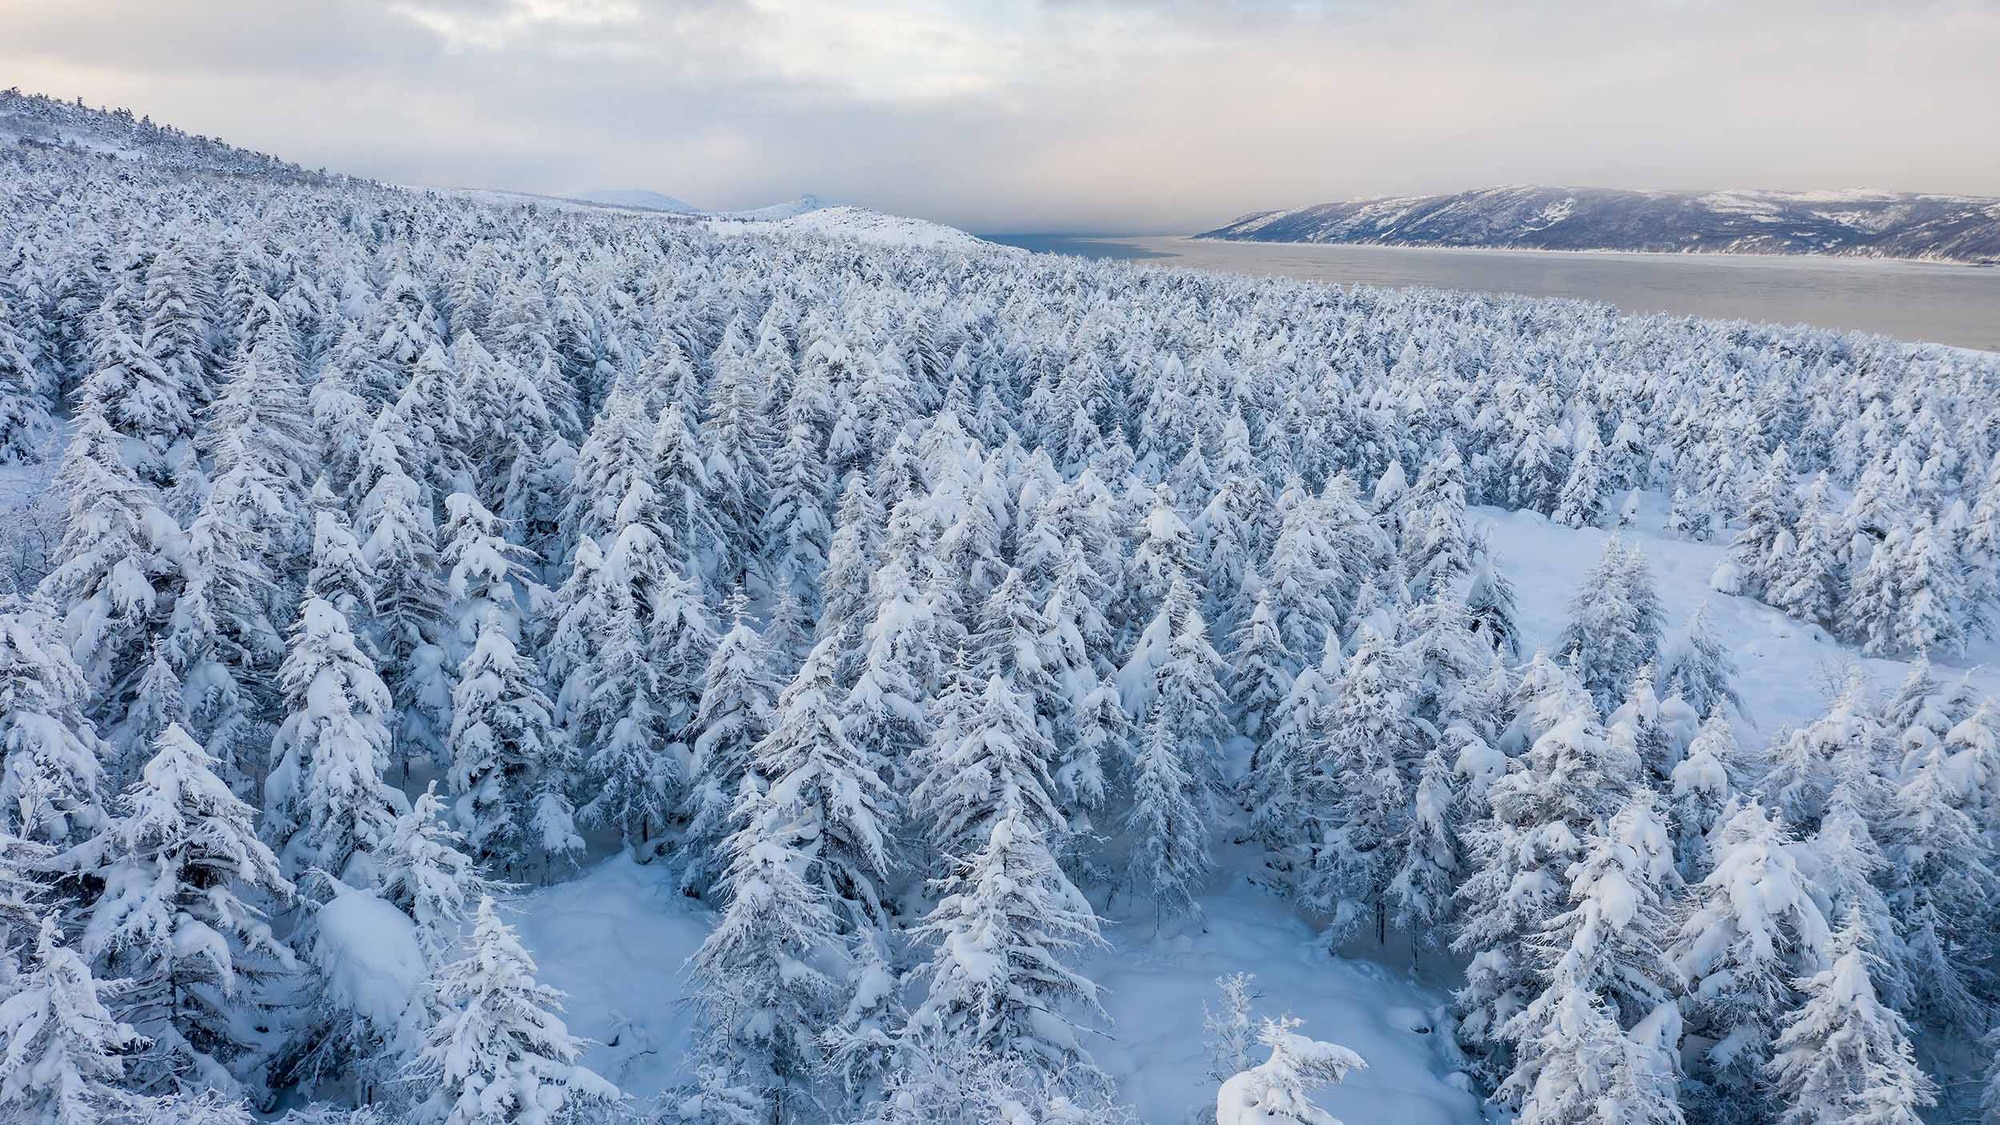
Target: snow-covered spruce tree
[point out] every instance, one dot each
(1277, 1089)
(52, 777)
(1169, 821)
(1809, 581)
(504, 745)
(1260, 671)
(1751, 928)
(147, 407)
(987, 763)
(63, 1061)
(1520, 856)
(1703, 782)
(1360, 793)
(171, 874)
(1489, 599)
(999, 979)
(118, 567)
(1591, 1071)
(26, 425)
(738, 700)
(1280, 765)
(1843, 1056)
(399, 540)
(327, 803)
(1771, 513)
(765, 981)
(1698, 667)
(1941, 893)
(499, 1052)
(484, 576)
(1421, 891)
(1608, 945)
(340, 571)
(1227, 1030)
(824, 795)
(1798, 764)
(426, 873)
(1614, 626)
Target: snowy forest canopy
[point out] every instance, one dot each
(906, 602)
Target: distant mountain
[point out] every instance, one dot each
(637, 198)
(1856, 223)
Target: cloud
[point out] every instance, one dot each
(1064, 114)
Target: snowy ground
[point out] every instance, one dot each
(616, 939)
(1785, 669)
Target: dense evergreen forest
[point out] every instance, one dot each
(404, 549)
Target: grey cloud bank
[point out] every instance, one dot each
(1082, 115)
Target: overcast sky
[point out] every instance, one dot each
(1012, 115)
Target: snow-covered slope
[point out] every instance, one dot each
(33, 120)
(638, 198)
(1859, 223)
(863, 225)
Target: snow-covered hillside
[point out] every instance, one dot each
(863, 225)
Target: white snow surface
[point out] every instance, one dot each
(1786, 671)
(373, 963)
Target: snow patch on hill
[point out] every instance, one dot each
(863, 225)
(636, 198)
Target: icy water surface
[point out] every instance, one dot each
(1936, 303)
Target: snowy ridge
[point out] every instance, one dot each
(1855, 223)
(34, 120)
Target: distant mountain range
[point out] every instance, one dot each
(1855, 223)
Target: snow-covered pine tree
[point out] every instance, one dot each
(1614, 627)
(1608, 945)
(64, 1051)
(1941, 892)
(504, 745)
(1000, 979)
(1520, 857)
(738, 700)
(1489, 599)
(1771, 512)
(825, 795)
(1698, 667)
(326, 802)
(499, 1052)
(177, 873)
(117, 569)
(52, 776)
(484, 576)
(426, 874)
(399, 540)
(1740, 950)
(1169, 820)
(1360, 793)
(1703, 782)
(1842, 1055)
(986, 764)
(1276, 1089)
